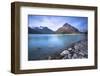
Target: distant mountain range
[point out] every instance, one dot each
(65, 29)
(40, 30)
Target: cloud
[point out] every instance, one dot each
(54, 22)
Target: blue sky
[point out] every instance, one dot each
(55, 22)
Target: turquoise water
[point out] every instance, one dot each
(41, 46)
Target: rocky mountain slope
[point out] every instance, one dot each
(67, 28)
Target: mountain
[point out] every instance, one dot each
(40, 30)
(67, 29)
(32, 31)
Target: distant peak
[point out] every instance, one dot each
(66, 24)
(67, 29)
(41, 27)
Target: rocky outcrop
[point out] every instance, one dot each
(67, 29)
(76, 50)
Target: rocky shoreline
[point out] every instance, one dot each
(77, 50)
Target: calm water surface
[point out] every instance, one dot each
(41, 46)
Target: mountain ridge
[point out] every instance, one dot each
(65, 29)
(40, 30)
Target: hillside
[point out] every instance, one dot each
(67, 29)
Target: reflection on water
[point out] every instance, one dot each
(41, 46)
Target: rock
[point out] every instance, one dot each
(74, 56)
(80, 56)
(65, 57)
(77, 50)
(81, 53)
(69, 48)
(49, 58)
(68, 56)
(64, 52)
(76, 47)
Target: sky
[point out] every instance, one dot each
(55, 22)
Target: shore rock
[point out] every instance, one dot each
(77, 50)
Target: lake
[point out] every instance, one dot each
(41, 46)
